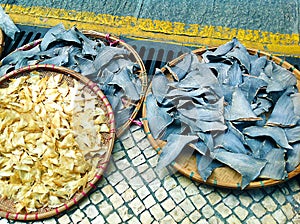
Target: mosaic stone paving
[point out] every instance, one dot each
(133, 191)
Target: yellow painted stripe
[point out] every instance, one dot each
(156, 30)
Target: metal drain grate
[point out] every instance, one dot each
(153, 54)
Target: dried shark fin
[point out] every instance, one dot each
(275, 167)
(157, 117)
(293, 134)
(236, 112)
(276, 133)
(175, 144)
(293, 158)
(249, 167)
(206, 165)
(283, 114)
(159, 86)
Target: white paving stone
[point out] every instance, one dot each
(207, 211)
(137, 206)
(64, 219)
(115, 178)
(128, 195)
(142, 168)
(268, 219)
(138, 135)
(233, 220)
(245, 200)
(134, 220)
(231, 201)
(138, 160)
(288, 210)
(279, 216)
(198, 200)
(294, 185)
(96, 197)
(256, 194)
(116, 200)
(77, 216)
(223, 210)
(187, 206)
(114, 218)
(258, 210)
(191, 190)
(202, 221)
(153, 161)
(161, 194)
(47, 221)
(169, 183)
(184, 181)
(167, 220)
(118, 155)
(108, 190)
(269, 204)
(177, 214)
(241, 213)
(105, 208)
(98, 220)
(146, 217)
(136, 182)
(149, 201)
(253, 220)
(124, 213)
(128, 143)
(121, 187)
(177, 194)
(168, 204)
(149, 175)
(84, 202)
(186, 221)
(206, 189)
(91, 211)
(133, 152)
(155, 184)
(129, 173)
(122, 164)
(157, 212)
(195, 216)
(85, 221)
(215, 220)
(144, 144)
(149, 152)
(214, 198)
(279, 197)
(143, 192)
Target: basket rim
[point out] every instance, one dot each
(157, 144)
(2, 43)
(142, 73)
(99, 170)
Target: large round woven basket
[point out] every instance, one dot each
(222, 176)
(7, 208)
(134, 56)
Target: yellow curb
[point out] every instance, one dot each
(195, 35)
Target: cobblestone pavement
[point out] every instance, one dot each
(133, 191)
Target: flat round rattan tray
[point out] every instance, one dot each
(222, 176)
(100, 162)
(114, 41)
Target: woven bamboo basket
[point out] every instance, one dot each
(7, 209)
(223, 176)
(114, 41)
